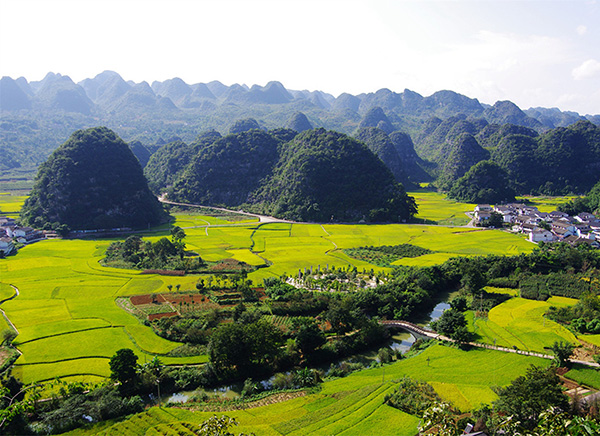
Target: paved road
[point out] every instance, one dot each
(261, 218)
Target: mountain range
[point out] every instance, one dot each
(439, 137)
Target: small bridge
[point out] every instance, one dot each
(415, 330)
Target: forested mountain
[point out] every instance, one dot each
(39, 116)
(441, 135)
(324, 175)
(228, 171)
(485, 182)
(91, 181)
(317, 175)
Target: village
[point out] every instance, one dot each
(11, 235)
(555, 226)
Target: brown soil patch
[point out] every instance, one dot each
(154, 316)
(585, 352)
(4, 355)
(271, 399)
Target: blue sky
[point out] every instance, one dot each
(534, 53)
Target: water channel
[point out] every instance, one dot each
(398, 342)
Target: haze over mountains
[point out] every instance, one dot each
(439, 137)
(108, 92)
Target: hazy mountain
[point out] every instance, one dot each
(12, 97)
(375, 117)
(60, 92)
(244, 125)
(553, 117)
(506, 112)
(299, 122)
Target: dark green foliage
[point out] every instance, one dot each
(560, 161)
(229, 170)
(309, 336)
(584, 316)
(100, 404)
(163, 254)
(542, 287)
(381, 144)
(463, 153)
(244, 347)
(385, 255)
(323, 175)
(166, 165)
(453, 324)
(562, 352)
(485, 182)
(140, 152)
(590, 203)
(412, 396)
(529, 395)
(92, 181)
(123, 366)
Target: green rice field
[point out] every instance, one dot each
(520, 323)
(435, 207)
(545, 204)
(70, 325)
(354, 405)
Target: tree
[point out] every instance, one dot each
(123, 366)
(528, 396)
(562, 352)
(8, 336)
(452, 324)
(309, 336)
(496, 220)
(216, 426)
(442, 418)
(177, 237)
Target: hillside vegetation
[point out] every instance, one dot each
(92, 181)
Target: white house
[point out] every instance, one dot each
(6, 245)
(541, 235)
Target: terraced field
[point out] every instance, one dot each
(435, 207)
(353, 405)
(10, 205)
(69, 324)
(520, 323)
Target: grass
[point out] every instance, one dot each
(68, 298)
(436, 207)
(585, 375)
(545, 203)
(11, 204)
(354, 405)
(520, 323)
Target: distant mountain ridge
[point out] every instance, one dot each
(102, 91)
(420, 138)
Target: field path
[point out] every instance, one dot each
(4, 314)
(261, 218)
(414, 329)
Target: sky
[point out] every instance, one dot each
(536, 53)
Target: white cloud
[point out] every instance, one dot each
(581, 30)
(587, 70)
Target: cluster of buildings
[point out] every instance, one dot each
(545, 227)
(11, 233)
